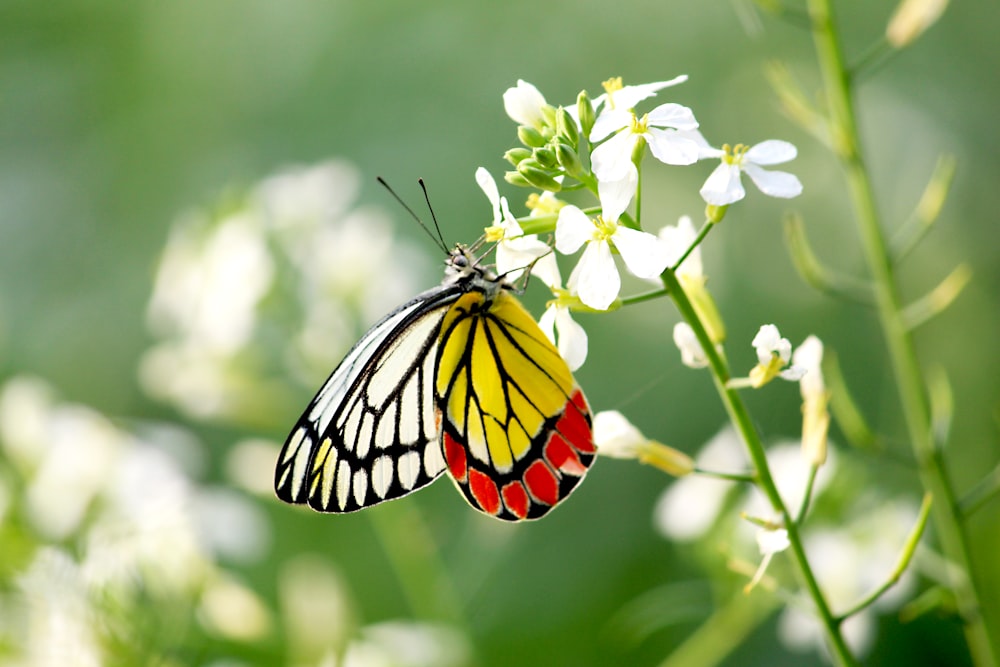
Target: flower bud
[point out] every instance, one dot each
(515, 155)
(911, 19)
(569, 160)
(566, 128)
(545, 156)
(514, 178)
(585, 110)
(715, 213)
(530, 137)
(537, 177)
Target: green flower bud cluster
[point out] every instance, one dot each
(552, 150)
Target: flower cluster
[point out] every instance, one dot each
(598, 145)
(292, 258)
(121, 555)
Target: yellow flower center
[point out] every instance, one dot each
(611, 86)
(544, 205)
(640, 125)
(494, 234)
(604, 229)
(734, 154)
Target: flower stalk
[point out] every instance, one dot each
(909, 378)
(743, 423)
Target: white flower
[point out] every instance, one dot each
(619, 97)
(617, 437)
(724, 185)
(595, 277)
(663, 129)
(692, 354)
(773, 354)
(524, 104)
(515, 251)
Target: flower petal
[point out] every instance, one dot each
(616, 195)
(546, 269)
(629, 96)
(672, 115)
(489, 187)
(573, 229)
(572, 339)
(774, 183)
(723, 185)
(515, 255)
(524, 103)
(677, 239)
(767, 341)
(610, 120)
(672, 147)
(612, 160)
(595, 277)
(644, 254)
(772, 151)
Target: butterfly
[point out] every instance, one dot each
(459, 380)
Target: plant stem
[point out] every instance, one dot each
(909, 380)
(740, 418)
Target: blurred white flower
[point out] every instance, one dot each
(770, 541)
(58, 621)
(299, 233)
(724, 185)
(315, 608)
(229, 609)
(815, 415)
(408, 644)
(249, 465)
(849, 561)
(691, 505)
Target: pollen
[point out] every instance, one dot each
(494, 234)
(734, 154)
(640, 125)
(604, 229)
(611, 86)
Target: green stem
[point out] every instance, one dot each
(702, 233)
(741, 419)
(909, 380)
(904, 561)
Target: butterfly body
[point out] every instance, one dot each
(460, 380)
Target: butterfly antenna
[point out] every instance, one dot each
(437, 239)
(430, 208)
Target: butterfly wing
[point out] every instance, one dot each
(371, 433)
(516, 429)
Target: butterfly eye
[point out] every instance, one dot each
(460, 261)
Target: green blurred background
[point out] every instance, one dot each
(115, 117)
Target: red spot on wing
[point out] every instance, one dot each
(484, 490)
(574, 425)
(454, 454)
(562, 457)
(542, 483)
(516, 499)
